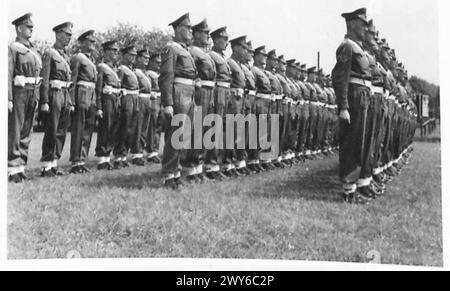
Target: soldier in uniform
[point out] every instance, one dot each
(250, 101)
(373, 118)
(304, 114)
(222, 95)
(84, 77)
(286, 126)
(325, 114)
(236, 106)
(154, 126)
(108, 104)
(145, 102)
(55, 100)
(293, 101)
(204, 95)
(322, 99)
(276, 107)
(314, 114)
(177, 85)
(263, 103)
(129, 132)
(24, 67)
(350, 76)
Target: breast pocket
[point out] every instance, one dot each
(59, 67)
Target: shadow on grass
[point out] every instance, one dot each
(321, 185)
(129, 180)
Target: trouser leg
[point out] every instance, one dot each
(172, 157)
(125, 129)
(352, 143)
(108, 126)
(146, 113)
(154, 129)
(20, 125)
(83, 124)
(196, 155)
(51, 122)
(252, 133)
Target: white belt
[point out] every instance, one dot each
(184, 81)
(21, 81)
(391, 97)
(252, 92)
(361, 82)
(277, 97)
(301, 102)
(288, 100)
(110, 90)
(208, 84)
(130, 92)
(315, 103)
(264, 96)
(145, 95)
(223, 84)
(237, 91)
(156, 95)
(57, 84)
(86, 84)
(386, 94)
(376, 89)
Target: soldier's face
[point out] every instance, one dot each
(250, 56)
(185, 32)
(112, 54)
(201, 37)
(64, 37)
(240, 52)
(359, 28)
(155, 64)
(369, 37)
(88, 45)
(25, 30)
(260, 60)
(142, 61)
(131, 58)
(221, 43)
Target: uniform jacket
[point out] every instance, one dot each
(23, 60)
(176, 62)
(352, 61)
(55, 66)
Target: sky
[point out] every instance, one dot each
(295, 28)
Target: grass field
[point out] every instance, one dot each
(292, 214)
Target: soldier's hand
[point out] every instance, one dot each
(168, 110)
(345, 115)
(71, 109)
(99, 113)
(10, 106)
(45, 108)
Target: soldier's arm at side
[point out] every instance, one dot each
(75, 67)
(341, 75)
(167, 76)
(45, 75)
(11, 66)
(99, 88)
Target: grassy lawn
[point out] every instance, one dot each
(291, 214)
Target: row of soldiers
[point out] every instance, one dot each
(76, 91)
(127, 101)
(363, 109)
(377, 114)
(251, 81)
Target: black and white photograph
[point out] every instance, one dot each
(278, 131)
